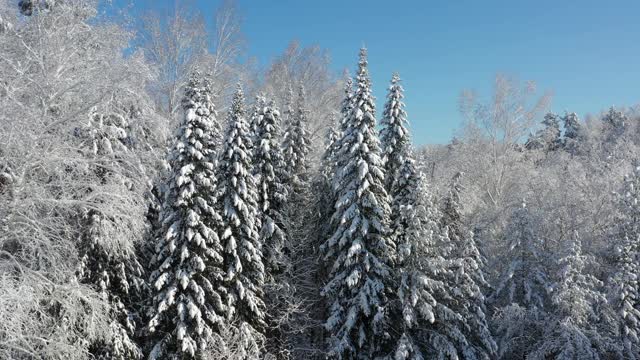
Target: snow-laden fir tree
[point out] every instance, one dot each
(208, 103)
(419, 276)
(624, 297)
(258, 106)
(296, 145)
(547, 138)
(525, 280)
(629, 206)
(394, 136)
(469, 278)
(288, 113)
(107, 258)
(343, 123)
(521, 297)
(624, 286)
(189, 301)
(615, 122)
(330, 148)
(322, 185)
(397, 154)
(573, 133)
(272, 196)
(269, 168)
(242, 249)
(118, 276)
(571, 333)
(361, 247)
(329, 168)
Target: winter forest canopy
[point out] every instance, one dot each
(159, 200)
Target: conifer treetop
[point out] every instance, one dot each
(394, 135)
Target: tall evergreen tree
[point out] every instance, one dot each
(468, 278)
(547, 138)
(272, 196)
(615, 123)
(207, 101)
(258, 107)
(394, 136)
(296, 144)
(360, 247)
(119, 278)
(525, 280)
(188, 302)
(573, 133)
(624, 287)
(341, 128)
(346, 104)
(107, 259)
(288, 113)
(429, 328)
(521, 298)
(322, 186)
(572, 333)
(272, 193)
(242, 249)
(624, 297)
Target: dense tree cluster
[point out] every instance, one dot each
(118, 241)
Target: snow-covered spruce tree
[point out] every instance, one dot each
(573, 133)
(624, 297)
(269, 174)
(525, 280)
(547, 138)
(258, 107)
(343, 123)
(624, 287)
(243, 262)
(394, 136)
(189, 301)
(315, 230)
(401, 176)
(615, 122)
(469, 278)
(207, 102)
(272, 196)
(288, 113)
(521, 297)
(296, 145)
(361, 247)
(119, 278)
(431, 325)
(571, 333)
(628, 223)
(331, 164)
(106, 261)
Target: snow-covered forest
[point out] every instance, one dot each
(163, 198)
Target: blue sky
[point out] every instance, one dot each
(586, 52)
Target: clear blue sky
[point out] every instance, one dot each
(586, 52)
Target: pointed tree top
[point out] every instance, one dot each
(261, 99)
(363, 57)
(237, 103)
(348, 85)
